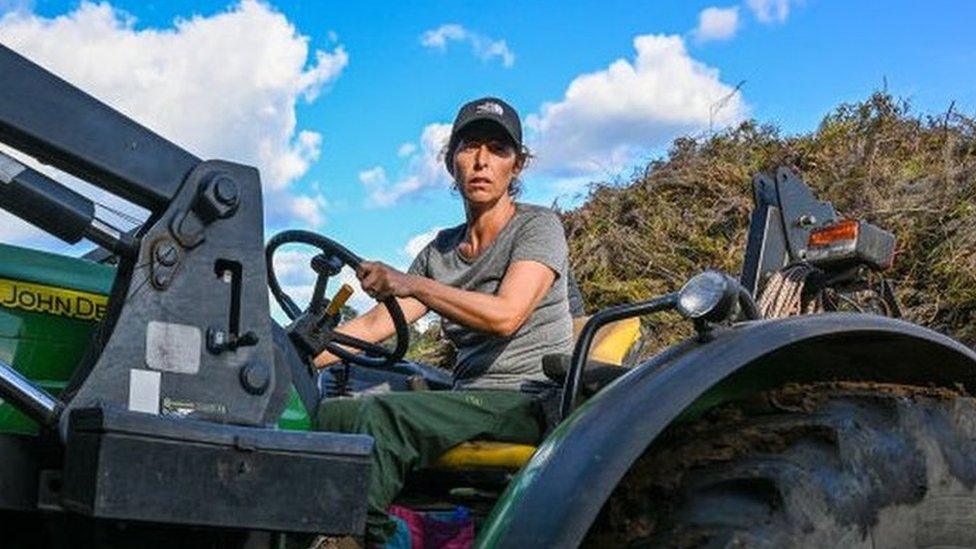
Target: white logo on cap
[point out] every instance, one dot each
(490, 107)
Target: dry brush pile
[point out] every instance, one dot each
(876, 160)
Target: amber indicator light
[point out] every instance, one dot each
(825, 236)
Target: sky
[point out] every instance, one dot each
(344, 106)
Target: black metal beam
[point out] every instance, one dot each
(55, 122)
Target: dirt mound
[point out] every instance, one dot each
(877, 160)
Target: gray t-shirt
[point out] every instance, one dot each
(486, 361)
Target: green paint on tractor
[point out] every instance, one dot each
(49, 308)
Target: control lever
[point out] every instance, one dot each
(335, 306)
(219, 341)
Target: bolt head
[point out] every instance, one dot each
(226, 190)
(255, 378)
(160, 279)
(166, 253)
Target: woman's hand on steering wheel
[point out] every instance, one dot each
(380, 281)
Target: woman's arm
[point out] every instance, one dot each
(503, 313)
(374, 326)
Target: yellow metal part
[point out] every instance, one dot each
(610, 346)
(613, 341)
(480, 453)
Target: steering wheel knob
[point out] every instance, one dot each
(328, 265)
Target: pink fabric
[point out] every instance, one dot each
(444, 530)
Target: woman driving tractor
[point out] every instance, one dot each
(499, 282)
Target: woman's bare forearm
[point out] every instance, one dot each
(476, 310)
(502, 313)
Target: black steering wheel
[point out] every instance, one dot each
(374, 356)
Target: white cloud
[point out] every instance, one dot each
(439, 37)
(223, 86)
(424, 170)
(310, 209)
(483, 47)
(417, 243)
(374, 177)
(608, 119)
(292, 266)
(770, 11)
(13, 229)
(717, 24)
(406, 149)
(423, 323)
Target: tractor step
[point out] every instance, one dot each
(134, 466)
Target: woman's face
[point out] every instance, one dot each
(485, 163)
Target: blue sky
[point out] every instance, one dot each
(385, 79)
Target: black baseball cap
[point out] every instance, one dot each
(490, 109)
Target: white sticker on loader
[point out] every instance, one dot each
(173, 347)
(144, 391)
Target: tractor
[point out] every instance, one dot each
(149, 397)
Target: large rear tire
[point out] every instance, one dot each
(822, 465)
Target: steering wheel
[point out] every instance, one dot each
(375, 356)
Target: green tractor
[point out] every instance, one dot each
(149, 397)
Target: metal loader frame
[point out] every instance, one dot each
(184, 367)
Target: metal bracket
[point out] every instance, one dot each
(187, 291)
(801, 211)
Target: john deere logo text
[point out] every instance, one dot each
(50, 300)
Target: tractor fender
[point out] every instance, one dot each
(557, 495)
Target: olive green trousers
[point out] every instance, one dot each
(412, 429)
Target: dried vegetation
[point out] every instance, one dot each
(877, 160)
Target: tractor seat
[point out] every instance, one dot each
(610, 347)
(486, 453)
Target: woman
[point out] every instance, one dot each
(499, 283)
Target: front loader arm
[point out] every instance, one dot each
(60, 125)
